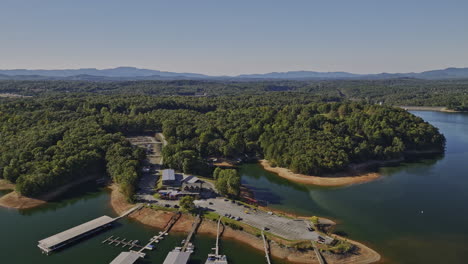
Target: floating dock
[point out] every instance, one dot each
(66, 237)
(181, 255)
(116, 242)
(177, 256)
(59, 240)
(126, 258)
(216, 258)
(133, 256)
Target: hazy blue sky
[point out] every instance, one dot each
(235, 36)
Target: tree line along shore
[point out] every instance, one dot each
(48, 143)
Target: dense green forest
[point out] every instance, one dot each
(402, 91)
(47, 141)
(228, 181)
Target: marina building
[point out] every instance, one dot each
(168, 177)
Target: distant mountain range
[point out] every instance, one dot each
(131, 73)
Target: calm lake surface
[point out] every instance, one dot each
(20, 232)
(416, 213)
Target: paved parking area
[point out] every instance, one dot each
(281, 226)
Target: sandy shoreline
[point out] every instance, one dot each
(16, 201)
(158, 219)
(337, 179)
(428, 108)
(6, 185)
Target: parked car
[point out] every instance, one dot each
(210, 203)
(266, 228)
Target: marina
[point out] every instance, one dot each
(283, 195)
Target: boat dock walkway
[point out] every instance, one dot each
(194, 229)
(129, 211)
(73, 234)
(181, 255)
(317, 252)
(133, 256)
(216, 258)
(121, 241)
(267, 249)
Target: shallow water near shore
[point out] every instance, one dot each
(415, 213)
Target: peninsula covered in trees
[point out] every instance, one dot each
(50, 140)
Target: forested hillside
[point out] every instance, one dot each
(414, 92)
(48, 141)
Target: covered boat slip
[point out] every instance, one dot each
(126, 258)
(177, 257)
(61, 239)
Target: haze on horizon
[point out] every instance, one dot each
(237, 37)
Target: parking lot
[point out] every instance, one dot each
(278, 225)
